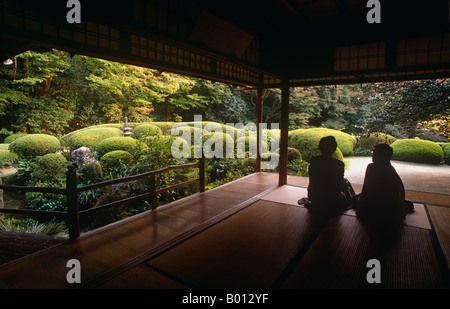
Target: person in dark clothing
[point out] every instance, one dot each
(328, 190)
(382, 199)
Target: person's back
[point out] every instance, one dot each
(326, 181)
(325, 178)
(383, 195)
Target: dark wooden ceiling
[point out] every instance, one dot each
(246, 42)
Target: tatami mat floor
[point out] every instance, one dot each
(250, 233)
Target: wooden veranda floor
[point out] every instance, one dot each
(248, 234)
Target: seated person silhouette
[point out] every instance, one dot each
(382, 199)
(328, 191)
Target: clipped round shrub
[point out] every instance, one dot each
(89, 137)
(293, 154)
(250, 145)
(13, 137)
(270, 160)
(211, 127)
(50, 167)
(418, 151)
(7, 158)
(187, 132)
(211, 140)
(113, 159)
(307, 142)
(165, 127)
(345, 141)
(116, 143)
(145, 129)
(91, 172)
(33, 145)
(369, 141)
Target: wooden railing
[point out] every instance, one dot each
(72, 192)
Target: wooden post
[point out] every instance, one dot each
(153, 199)
(202, 173)
(259, 104)
(2, 205)
(284, 127)
(73, 218)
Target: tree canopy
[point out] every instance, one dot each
(55, 92)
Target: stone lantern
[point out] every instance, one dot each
(127, 131)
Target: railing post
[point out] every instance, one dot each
(202, 174)
(73, 217)
(153, 200)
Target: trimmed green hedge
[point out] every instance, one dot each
(91, 172)
(164, 126)
(250, 144)
(418, 151)
(346, 142)
(50, 167)
(293, 154)
(33, 145)
(89, 137)
(210, 140)
(181, 129)
(116, 143)
(7, 158)
(145, 129)
(307, 142)
(13, 137)
(112, 159)
(369, 141)
(210, 126)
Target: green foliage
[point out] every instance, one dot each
(145, 129)
(362, 152)
(293, 154)
(113, 159)
(89, 137)
(13, 137)
(307, 142)
(116, 143)
(405, 104)
(228, 104)
(91, 172)
(155, 155)
(370, 140)
(33, 145)
(416, 150)
(50, 167)
(46, 201)
(328, 106)
(51, 228)
(250, 164)
(7, 158)
(26, 95)
(220, 171)
(300, 167)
